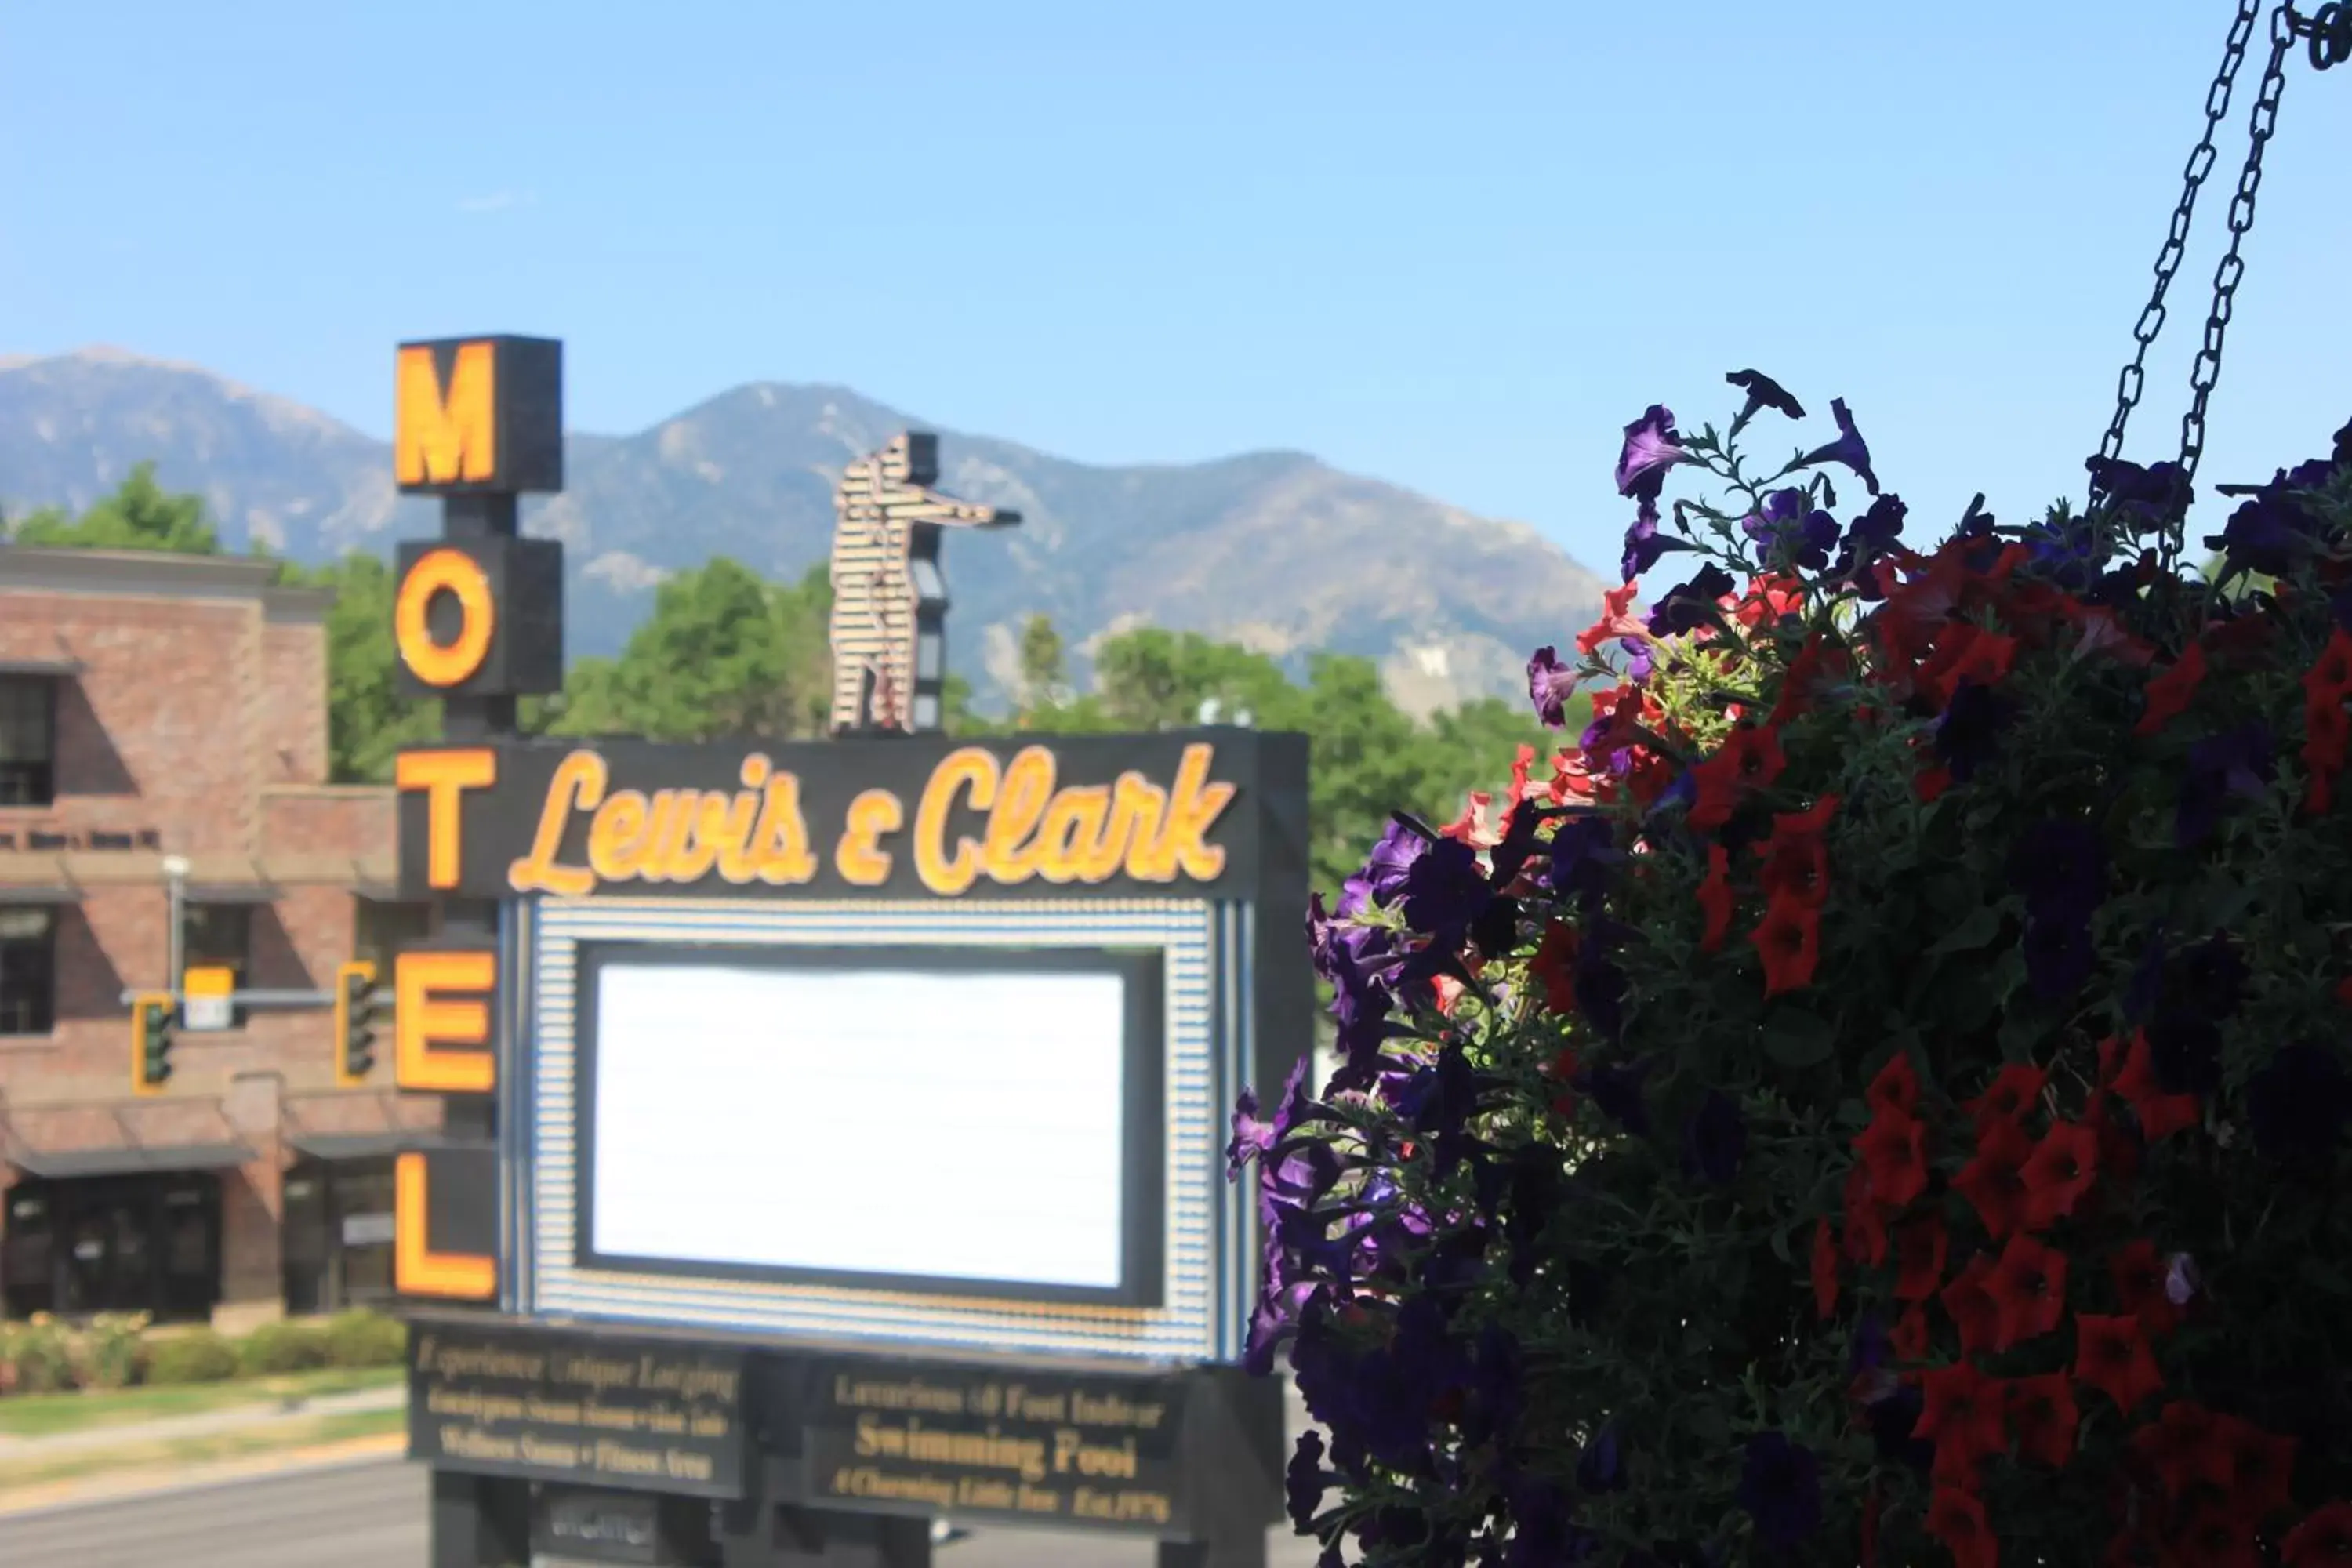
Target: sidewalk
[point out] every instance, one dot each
(206, 1424)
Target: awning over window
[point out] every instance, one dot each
(338, 1146)
(51, 667)
(57, 892)
(125, 1160)
(228, 893)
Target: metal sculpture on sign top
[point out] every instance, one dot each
(889, 595)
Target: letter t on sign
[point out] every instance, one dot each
(443, 778)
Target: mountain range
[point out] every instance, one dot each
(1272, 549)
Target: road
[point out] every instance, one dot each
(372, 1515)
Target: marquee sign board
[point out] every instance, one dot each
(886, 1062)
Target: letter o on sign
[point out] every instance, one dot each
(454, 662)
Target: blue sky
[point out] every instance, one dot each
(1456, 247)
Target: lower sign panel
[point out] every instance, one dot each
(1045, 1446)
(642, 1415)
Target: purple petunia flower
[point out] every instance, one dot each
(1762, 391)
(1617, 1091)
(2150, 498)
(2272, 531)
(1549, 686)
(1639, 663)
(1305, 1479)
(1780, 1488)
(1601, 1466)
(1848, 448)
(1870, 536)
(1652, 447)
(1715, 1141)
(1968, 736)
(2298, 1105)
(1644, 545)
(2182, 1280)
(1692, 604)
(2236, 761)
(1788, 525)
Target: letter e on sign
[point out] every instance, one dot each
(479, 416)
(444, 1039)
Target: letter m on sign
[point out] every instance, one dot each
(480, 415)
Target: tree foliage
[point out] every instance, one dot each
(727, 653)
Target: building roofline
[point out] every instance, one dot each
(156, 573)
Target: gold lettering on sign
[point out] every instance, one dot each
(673, 835)
(1030, 827)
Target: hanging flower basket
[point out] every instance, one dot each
(1888, 1090)
(1884, 1098)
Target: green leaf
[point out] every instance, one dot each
(1977, 929)
(1798, 1039)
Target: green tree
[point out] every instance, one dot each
(725, 653)
(1045, 666)
(140, 515)
(369, 719)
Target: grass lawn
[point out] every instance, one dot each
(47, 1415)
(212, 1448)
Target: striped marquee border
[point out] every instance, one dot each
(1211, 1244)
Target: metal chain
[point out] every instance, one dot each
(2329, 28)
(2167, 260)
(2263, 125)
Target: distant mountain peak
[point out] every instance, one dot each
(1273, 547)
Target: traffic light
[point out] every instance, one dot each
(358, 1005)
(151, 1023)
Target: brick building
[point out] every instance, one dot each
(162, 746)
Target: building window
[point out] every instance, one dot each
(29, 969)
(28, 740)
(383, 929)
(219, 936)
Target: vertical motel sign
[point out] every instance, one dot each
(477, 618)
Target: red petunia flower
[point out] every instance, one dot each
(2343, 993)
(2131, 1547)
(2119, 1147)
(2168, 694)
(2332, 670)
(1714, 898)
(2042, 1411)
(2028, 1287)
(1554, 966)
(1912, 1337)
(2137, 1270)
(1957, 1519)
(1894, 1148)
(1560, 1069)
(1617, 621)
(2111, 1355)
(2011, 1095)
(1971, 1307)
(1920, 1245)
(2262, 1466)
(1895, 1086)
(1825, 1268)
(1789, 942)
(2323, 1540)
(1866, 1220)
(1815, 664)
(2211, 1536)
(1796, 864)
(2184, 1449)
(2061, 1171)
(1928, 787)
(1965, 1414)
(1994, 1181)
(2161, 1114)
